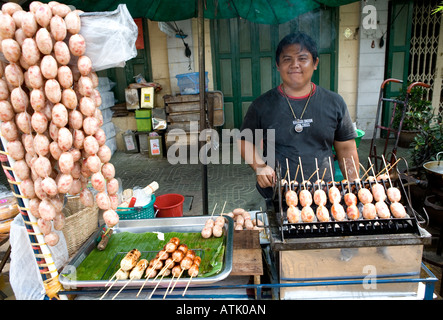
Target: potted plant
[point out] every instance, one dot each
(418, 114)
(428, 142)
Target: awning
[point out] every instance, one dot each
(258, 11)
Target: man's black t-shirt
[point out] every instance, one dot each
(325, 120)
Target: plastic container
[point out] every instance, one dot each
(143, 119)
(146, 212)
(169, 205)
(338, 176)
(188, 83)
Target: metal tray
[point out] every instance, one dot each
(163, 225)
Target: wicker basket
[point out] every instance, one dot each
(80, 223)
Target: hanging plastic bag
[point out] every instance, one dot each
(110, 37)
(24, 275)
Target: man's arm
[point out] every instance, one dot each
(265, 174)
(347, 150)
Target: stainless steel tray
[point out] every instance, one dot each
(162, 225)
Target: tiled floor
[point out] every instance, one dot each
(230, 183)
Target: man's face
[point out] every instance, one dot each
(296, 66)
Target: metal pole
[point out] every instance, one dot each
(202, 83)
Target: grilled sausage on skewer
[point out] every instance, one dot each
(130, 260)
(291, 198)
(334, 195)
(293, 214)
(365, 196)
(305, 198)
(350, 199)
(352, 212)
(338, 212)
(121, 275)
(217, 231)
(193, 270)
(382, 210)
(394, 194)
(175, 240)
(320, 198)
(322, 214)
(186, 263)
(178, 255)
(378, 192)
(369, 211)
(139, 269)
(398, 210)
(190, 254)
(170, 247)
(307, 214)
(206, 232)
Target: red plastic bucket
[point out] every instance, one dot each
(169, 205)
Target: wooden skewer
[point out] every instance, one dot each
(388, 167)
(169, 285)
(130, 279)
(296, 174)
(213, 210)
(324, 172)
(187, 285)
(157, 284)
(286, 174)
(289, 174)
(316, 166)
(106, 292)
(346, 173)
(387, 171)
(366, 172)
(316, 171)
(177, 280)
(373, 172)
(162, 271)
(150, 272)
(356, 172)
(112, 277)
(223, 209)
(332, 174)
(301, 169)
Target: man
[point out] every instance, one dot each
(308, 120)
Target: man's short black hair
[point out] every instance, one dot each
(300, 38)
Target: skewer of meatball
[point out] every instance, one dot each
(352, 211)
(337, 210)
(290, 195)
(394, 195)
(307, 214)
(320, 198)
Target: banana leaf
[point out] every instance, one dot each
(101, 265)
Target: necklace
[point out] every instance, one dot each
(298, 127)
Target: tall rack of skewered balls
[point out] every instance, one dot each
(174, 259)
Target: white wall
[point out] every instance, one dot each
(371, 66)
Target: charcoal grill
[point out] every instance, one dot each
(338, 233)
(338, 250)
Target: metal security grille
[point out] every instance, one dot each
(424, 47)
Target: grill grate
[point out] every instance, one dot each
(341, 228)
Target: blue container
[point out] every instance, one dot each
(188, 83)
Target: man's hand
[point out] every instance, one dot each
(265, 176)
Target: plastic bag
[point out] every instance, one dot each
(110, 37)
(24, 275)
